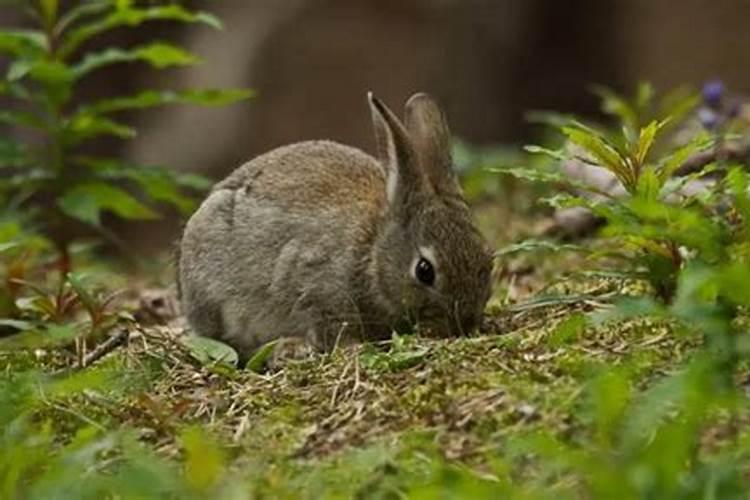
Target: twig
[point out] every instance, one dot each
(104, 348)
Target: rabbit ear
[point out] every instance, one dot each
(395, 151)
(428, 129)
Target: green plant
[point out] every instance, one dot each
(46, 169)
(655, 225)
(36, 462)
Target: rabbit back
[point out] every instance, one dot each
(280, 246)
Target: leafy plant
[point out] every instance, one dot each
(691, 246)
(654, 220)
(46, 168)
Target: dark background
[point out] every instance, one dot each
(488, 61)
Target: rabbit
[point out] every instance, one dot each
(325, 243)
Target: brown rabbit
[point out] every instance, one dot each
(321, 241)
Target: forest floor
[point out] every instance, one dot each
(372, 419)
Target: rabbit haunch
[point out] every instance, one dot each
(320, 241)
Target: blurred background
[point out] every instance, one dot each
(488, 61)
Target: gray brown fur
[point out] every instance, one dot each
(317, 240)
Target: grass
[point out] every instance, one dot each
(412, 417)
(380, 415)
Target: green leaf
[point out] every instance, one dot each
(649, 184)
(554, 154)
(87, 201)
(18, 69)
(23, 43)
(84, 126)
(536, 246)
(677, 105)
(158, 54)
(79, 12)
(204, 460)
(260, 358)
(22, 118)
(56, 77)
(568, 330)
(50, 72)
(48, 10)
(565, 200)
(616, 105)
(544, 175)
(644, 94)
(194, 181)
(152, 98)
(646, 140)
(48, 336)
(674, 160)
(86, 298)
(129, 16)
(738, 182)
(208, 351)
(159, 184)
(601, 151)
(610, 394)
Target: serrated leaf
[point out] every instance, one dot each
(158, 54)
(131, 16)
(208, 351)
(565, 200)
(530, 173)
(152, 98)
(87, 201)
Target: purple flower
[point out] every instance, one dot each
(713, 91)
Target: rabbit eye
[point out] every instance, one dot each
(425, 272)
